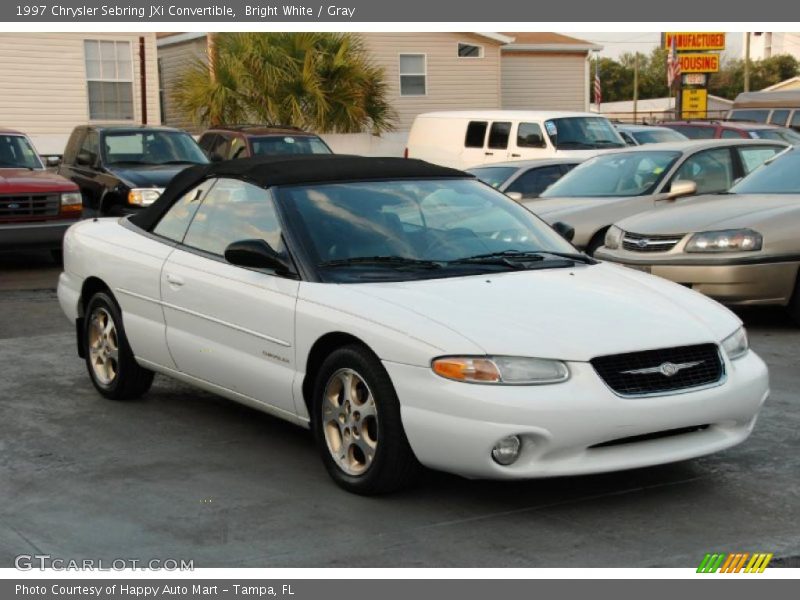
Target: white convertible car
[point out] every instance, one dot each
(410, 315)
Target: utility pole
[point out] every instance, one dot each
(747, 62)
(636, 88)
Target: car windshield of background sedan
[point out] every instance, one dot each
(17, 153)
(400, 230)
(615, 175)
(493, 176)
(779, 175)
(658, 136)
(152, 148)
(275, 145)
(782, 135)
(583, 132)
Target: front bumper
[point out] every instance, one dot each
(754, 283)
(453, 426)
(45, 234)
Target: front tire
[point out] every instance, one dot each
(109, 358)
(357, 426)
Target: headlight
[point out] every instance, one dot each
(71, 202)
(613, 237)
(144, 196)
(501, 370)
(736, 344)
(729, 240)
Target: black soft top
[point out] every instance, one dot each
(266, 171)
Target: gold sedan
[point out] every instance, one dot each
(740, 248)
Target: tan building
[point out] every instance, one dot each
(52, 82)
(430, 71)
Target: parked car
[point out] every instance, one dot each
(36, 206)
(779, 107)
(616, 185)
(741, 248)
(638, 135)
(122, 169)
(524, 179)
(707, 130)
(243, 141)
(408, 314)
(464, 139)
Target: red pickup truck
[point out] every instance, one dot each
(36, 206)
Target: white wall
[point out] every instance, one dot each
(364, 144)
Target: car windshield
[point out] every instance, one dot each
(152, 148)
(780, 175)
(615, 175)
(16, 152)
(493, 176)
(782, 135)
(744, 114)
(658, 136)
(399, 230)
(570, 133)
(288, 144)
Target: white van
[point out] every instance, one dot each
(464, 139)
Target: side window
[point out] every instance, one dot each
(498, 135)
(207, 142)
(476, 134)
(533, 182)
(696, 132)
(628, 138)
(754, 156)
(795, 122)
(529, 135)
(233, 211)
(779, 117)
(731, 134)
(175, 221)
(219, 150)
(238, 148)
(711, 170)
(90, 147)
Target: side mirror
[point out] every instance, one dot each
(257, 254)
(516, 196)
(52, 160)
(680, 188)
(564, 230)
(85, 158)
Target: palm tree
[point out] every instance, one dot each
(319, 81)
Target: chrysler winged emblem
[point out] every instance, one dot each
(667, 369)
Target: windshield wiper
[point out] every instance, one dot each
(514, 257)
(131, 162)
(571, 144)
(179, 162)
(389, 261)
(608, 143)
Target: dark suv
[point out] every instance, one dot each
(121, 169)
(242, 141)
(707, 130)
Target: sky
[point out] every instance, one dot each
(615, 44)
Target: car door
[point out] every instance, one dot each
(472, 153)
(528, 142)
(497, 142)
(228, 325)
(84, 171)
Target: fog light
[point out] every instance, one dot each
(506, 451)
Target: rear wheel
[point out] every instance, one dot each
(109, 358)
(357, 425)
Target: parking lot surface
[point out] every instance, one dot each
(183, 474)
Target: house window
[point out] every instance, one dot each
(109, 75)
(413, 75)
(469, 50)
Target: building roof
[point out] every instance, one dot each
(266, 171)
(547, 41)
(792, 83)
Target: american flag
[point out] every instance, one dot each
(598, 92)
(673, 64)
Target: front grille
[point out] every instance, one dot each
(637, 242)
(659, 371)
(645, 437)
(29, 205)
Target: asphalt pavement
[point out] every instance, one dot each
(183, 474)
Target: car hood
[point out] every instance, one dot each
(713, 212)
(569, 314)
(15, 181)
(555, 209)
(149, 175)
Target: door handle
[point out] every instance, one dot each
(516, 156)
(174, 280)
(488, 153)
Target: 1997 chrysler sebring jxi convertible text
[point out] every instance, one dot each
(409, 315)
